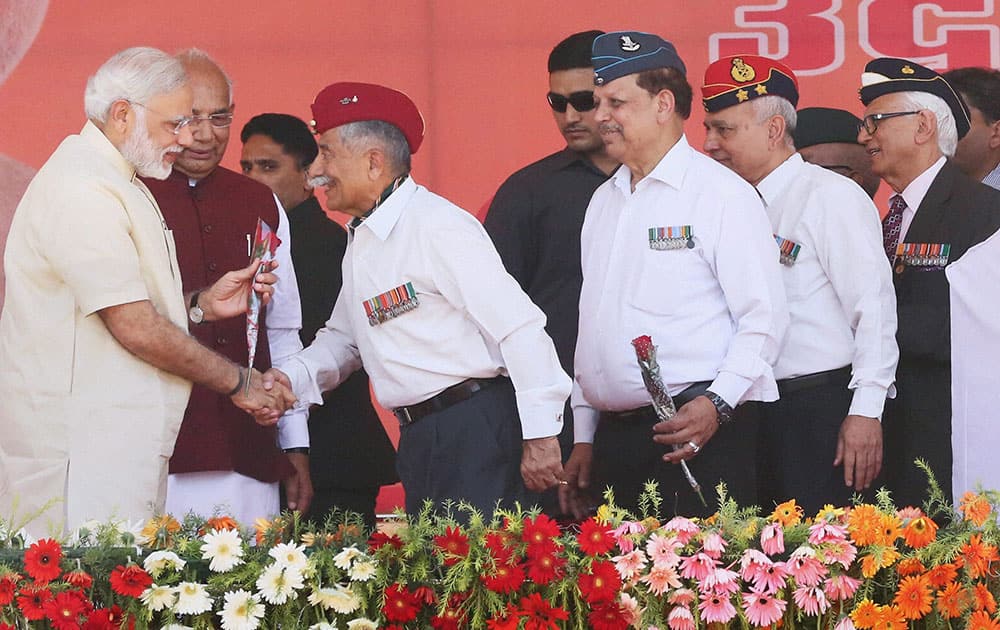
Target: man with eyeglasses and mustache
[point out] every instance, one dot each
(913, 121)
(677, 247)
(222, 461)
(96, 363)
(536, 215)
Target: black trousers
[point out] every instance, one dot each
(798, 443)
(625, 457)
(358, 500)
(470, 451)
(917, 423)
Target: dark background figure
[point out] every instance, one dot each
(829, 138)
(351, 456)
(537, 214)
(978, 153)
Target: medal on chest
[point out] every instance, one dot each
(925, 255)
(390, 304)
(672, 237)
(789, 250)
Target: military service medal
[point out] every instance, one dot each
(927, 255)
(394, 303)
(789, 250)
(674, 237)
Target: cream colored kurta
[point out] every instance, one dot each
(81, 418)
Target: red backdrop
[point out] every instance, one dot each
(476, 70)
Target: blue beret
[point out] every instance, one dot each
(888, 75)
(627, 52)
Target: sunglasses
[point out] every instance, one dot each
(581, 101)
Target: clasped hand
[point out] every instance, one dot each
(265, 401)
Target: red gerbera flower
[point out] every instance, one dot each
(595, 538)
(539, 614)
(401, 604)
(545, 568)
(381, 539)
(453, 545)
(610, 616)
(8, 588)
(79, 578)
(539, 531)
(453, 617)
(130, 581)
(506, 621)
(500, 546)
(64, 610)
(105, 619)
(505, 578)
(602, 584)
(31, 601)
(7, 626)
(41, 560)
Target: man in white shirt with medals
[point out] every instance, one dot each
(822, 440)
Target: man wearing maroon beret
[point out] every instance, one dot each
(452, 344)
(822, 440)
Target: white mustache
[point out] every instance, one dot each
(610, 128)
(319, 182)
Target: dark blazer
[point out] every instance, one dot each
(348, 445)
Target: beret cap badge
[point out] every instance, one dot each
(628, 45)
(741, 71)
(349, 99)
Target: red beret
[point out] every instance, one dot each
(734, 80)
(342, 103)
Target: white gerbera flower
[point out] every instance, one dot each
(361, 623)
(192, 599)
(157, 598)
(176, 626)
(346, 556)
(362, 571)
(224, 549)
(322, 626)
(322, 597)
(289, 555)
(278, 582)
(158, 561)
(241, 611)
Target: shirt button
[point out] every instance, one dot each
(221, 341)
(207, 228)
(212, 266)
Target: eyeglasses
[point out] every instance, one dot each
(219, 121)
(870, 122)
(581, 101)
(174, 124)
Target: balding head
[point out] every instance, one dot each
(213, 109)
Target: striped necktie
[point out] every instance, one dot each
(892, 224)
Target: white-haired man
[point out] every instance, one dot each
(95, 360)
(913, 121)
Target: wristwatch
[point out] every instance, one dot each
(195, 314)
(723, 408)
(304, 450)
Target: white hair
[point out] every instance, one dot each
(193, 56)
(947, 137)
(135, 74)
(385, 136)
(767, 106)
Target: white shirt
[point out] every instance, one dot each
(840, 295)
(716, 312)
(914, 194)
(992, 179)
(473, 320)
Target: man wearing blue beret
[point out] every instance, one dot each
(676, 247)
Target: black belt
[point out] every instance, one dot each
(451, 396)
(830, 377)
(643, 414)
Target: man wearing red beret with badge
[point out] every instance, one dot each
(452, 344)
(912, 124)
(822, 440)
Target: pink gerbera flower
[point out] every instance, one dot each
(697, 566)
(661, 579)
(846, 623)
(805, 568)
(811, 600)
(680, 618)
(630, 606)
(630, 564)
(662, 550)
(842, 552)
(763, 609)
(824, 531)
(841, 587)
(683, 597)
(622, 537)
(766, 575)
(716, 609)
(714, 545)
(772, 539)
(720, 580)
(684, 527)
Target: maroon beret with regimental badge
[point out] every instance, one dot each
(734, 80)
(342, 103)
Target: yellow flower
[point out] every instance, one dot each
(159, 531)
(604, 514)
(829, 513)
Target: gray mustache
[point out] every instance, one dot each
(319, 182)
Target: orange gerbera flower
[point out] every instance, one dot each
(890, 618)
(920, 532)
(913, 597)
(880, 558)
(889, 529)
(862, 524)
(981, 620)
(159, 531)
(984, 598)
(942, 574)
(977, 556)
(952, 601)
(220, 523)
(975, 508)
(910, 566)
(788, 513)
(865, 615)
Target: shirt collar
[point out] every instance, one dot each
(914, 194)
(670, 169)
(993, 178)
(384, 218)
(777, 180)
(96, 138)
(568, 157)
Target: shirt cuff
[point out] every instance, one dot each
(303, 385)
(585, 421)
(541, 412)
(293, 429)
(868, 401)
(731, 387)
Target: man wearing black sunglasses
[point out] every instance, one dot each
(536, 215)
